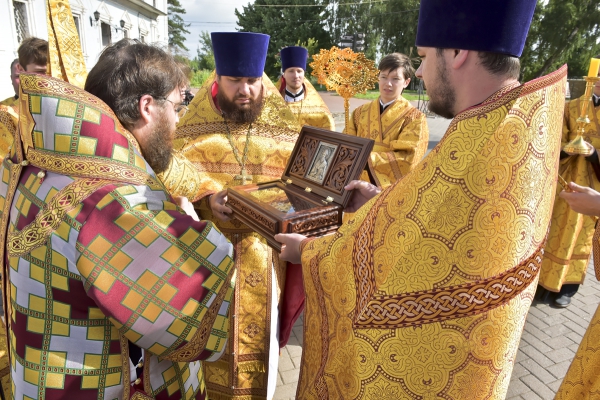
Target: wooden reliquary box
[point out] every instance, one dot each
(310, 197)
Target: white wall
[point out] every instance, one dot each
(138, 22)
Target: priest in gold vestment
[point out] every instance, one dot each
(234, 138)
(398, 128)
(300, 95)
(569, 246)
(425, 291)
(582, 381)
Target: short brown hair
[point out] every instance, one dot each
(126, 71)
(33, 51)
(393, 61)
(496, 63)
(500, 64)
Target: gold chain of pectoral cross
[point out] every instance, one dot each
(243, 176)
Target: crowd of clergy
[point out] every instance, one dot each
(126, 274)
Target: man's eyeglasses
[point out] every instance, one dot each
(180, 109)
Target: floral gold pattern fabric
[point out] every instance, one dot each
(66, 57)
(582, 381)
(569, 244)
(312, 110)
(401, 137)
(423, 293)
(201, 139)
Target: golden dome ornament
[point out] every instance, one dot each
(346, 72)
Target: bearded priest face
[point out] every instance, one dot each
(240, 98)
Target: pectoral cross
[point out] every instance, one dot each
(243, 177)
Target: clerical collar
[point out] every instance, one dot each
(383, 106)
(292, 98)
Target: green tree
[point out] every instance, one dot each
(562, 31)
(348, 17)
(399, 27)
(287, 26)
(177, 27)
(206, 56)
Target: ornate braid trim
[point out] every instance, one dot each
(362, 256)
(51, 216)
(417, 308)
(88, 167)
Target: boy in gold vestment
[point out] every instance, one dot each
(398, 128)
(238, 131)
(299, 94)
(569, 246)
(425, 291)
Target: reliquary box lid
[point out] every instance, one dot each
(323, 162)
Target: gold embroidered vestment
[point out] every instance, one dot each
(424, 292)
(400, 134)
(201, 138)
(567, 252)
(312, 110)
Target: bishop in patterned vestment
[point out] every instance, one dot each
(111, 289)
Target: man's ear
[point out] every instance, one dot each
(459, 58)
(145, 104)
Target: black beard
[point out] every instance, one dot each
(443, 98)
(241, 115)
(157, 150)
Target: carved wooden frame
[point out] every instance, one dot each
(329, 197)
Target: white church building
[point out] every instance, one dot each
(99, 23)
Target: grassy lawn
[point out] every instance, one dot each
(374, 94)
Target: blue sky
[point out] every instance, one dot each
(211, 16)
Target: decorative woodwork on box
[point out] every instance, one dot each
(310, 197)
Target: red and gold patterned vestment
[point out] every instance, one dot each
(400, 134)
(424, 292)
(569, 245)
(202, 139)
(99, 257)
(311, 110)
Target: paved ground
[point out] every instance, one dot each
(548, 344)
(549, 341)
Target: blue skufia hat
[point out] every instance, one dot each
(241, 54)
(498, 26)
(293, 56)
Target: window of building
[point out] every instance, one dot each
(126, 34)
(21, 22)
(143, 38)
(106, 36)
(77, 20)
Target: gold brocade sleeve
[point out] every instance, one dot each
(181, 178)
(410, 146)
(8, 129)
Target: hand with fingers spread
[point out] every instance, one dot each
(581, 199)
(217, 204)
(363, 192)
